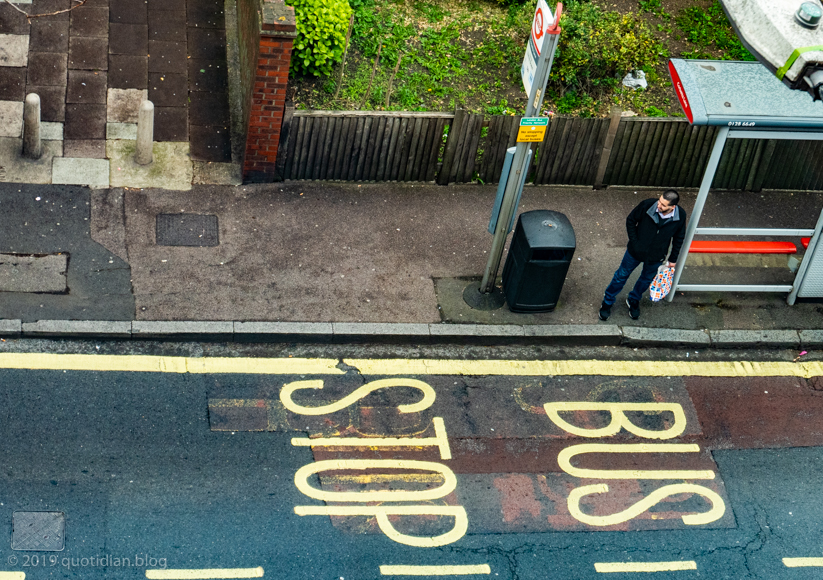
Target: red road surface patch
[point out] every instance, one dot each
(757, 413)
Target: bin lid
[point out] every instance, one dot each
(547, 229)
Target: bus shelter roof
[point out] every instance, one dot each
(741, 95)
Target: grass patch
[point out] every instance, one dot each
(467, 53)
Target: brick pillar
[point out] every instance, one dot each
(277, 34)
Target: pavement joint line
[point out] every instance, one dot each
(803, 562)
(645, 566)
(370, 367)
(414, 570)
(180, 574)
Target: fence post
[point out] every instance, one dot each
(145, 134)
(614, 122)
(32, 145)
(283, 147)
(455, 129)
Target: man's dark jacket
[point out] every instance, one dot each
(649, 235)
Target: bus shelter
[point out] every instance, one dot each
(747, 102)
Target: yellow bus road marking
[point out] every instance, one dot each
(802, 562)
(407, 570)
(585, 367)
(645, 566)
(12, 576)
(206, 573)
(318, 366)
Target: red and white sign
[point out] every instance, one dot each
(542, 21)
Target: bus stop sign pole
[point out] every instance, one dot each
(548, 37)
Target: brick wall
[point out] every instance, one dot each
(268, 94)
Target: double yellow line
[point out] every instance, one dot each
(407, 367)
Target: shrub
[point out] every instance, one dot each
(598, 47)
(321, 34)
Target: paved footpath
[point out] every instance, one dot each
(92, 66)
(351, 262)
(180, 467)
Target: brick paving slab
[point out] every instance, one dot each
(167, 5)
(75, 171)
(167, 26)
(11, 21)
(47, 69)
(90, 148)
(86, 52)
(128, 39)
(122, 105)
(205, 14)
(49, 6)
(52, 102)
(50, 35)
(11, 119)
(128, 72)
(171, 124)
(168, 57)
(208, 109)
(208, 75)
(12, 83)
(168, 90)
(210, 143)
(15, 50)
(86, 87)
(20, 170)
(85, 121)
(89, 21)
(121, 131)
(208, 43)
(128, 12)
(51, 131)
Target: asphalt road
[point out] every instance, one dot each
(164, 458)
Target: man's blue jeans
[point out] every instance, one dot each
(627, 266)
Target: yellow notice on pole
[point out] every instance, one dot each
(532, 129)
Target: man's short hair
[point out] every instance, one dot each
(671, 196)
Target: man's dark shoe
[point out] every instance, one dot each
(634, 308)
(605, 311)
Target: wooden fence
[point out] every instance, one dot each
(461, 147)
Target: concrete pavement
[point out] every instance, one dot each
(380, 254)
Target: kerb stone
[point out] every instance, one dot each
(78, 328)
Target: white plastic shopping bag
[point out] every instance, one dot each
(662, 283)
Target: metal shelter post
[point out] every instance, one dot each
(804, 265)
(705, 185)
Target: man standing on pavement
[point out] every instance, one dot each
(651, 226)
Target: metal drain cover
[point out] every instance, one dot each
(187, 229)
(38, 531)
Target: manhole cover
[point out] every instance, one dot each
(187, 229)
(38, 531)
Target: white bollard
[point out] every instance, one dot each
(32, 145)
(145, 133)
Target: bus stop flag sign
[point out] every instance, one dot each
(543, 19)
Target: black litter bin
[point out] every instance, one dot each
(539, 257)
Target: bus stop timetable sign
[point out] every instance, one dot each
(532, 129)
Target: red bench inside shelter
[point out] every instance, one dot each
(724, 247)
